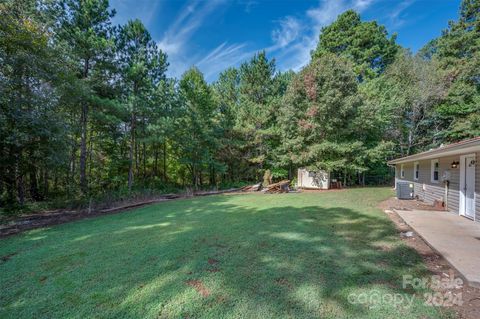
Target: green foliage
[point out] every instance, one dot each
(197, 131)
(279, 173)
(87, 108)
(458, 53)
(32, 123)
(142, 67)
(403, 100)
(365, 43)
(319, 111)
(256, 113)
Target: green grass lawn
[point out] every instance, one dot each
(227, 256)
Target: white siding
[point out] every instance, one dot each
(318, 180)
(428, 191)
(477, 188)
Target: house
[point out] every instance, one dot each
(449, 174)
(313, 179)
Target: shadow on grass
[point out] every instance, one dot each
(212, 258)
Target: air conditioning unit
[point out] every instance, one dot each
(405, 190)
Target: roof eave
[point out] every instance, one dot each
(472, 146)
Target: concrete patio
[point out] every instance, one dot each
(456, 238)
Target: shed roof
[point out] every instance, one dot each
(463, 147)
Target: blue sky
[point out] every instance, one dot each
(216, 34)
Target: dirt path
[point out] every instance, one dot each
(470, 309)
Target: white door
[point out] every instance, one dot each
(469, 187)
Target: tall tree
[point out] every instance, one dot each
(458, 52)
(404, 100)
(227, 98)
(366, 44)
(163, 123)
(142, 67)
(255, 112)
(198, 138)
(32, 126)
(85, 25)
(318, 117)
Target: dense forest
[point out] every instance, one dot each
(87, 109)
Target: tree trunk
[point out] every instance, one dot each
(131, 152)
(83, 137)
(20, 184)
(45, 183)
(10, 183)
(144, 161)
(73, 160)
(83, 149)
(71, 170)
(155, 161)
(33, 183)
(194, 177)
(90, 153)
(165, 162)
(212, 175)
(2, 178)
(135, 155)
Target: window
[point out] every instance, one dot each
(434, 171)
(402, 172)
(416, 171)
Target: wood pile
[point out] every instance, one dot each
(252, 188)
(275, 188)
(280, 187)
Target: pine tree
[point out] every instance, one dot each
(366, 44)
(458, 52)
(198, 138)
(142, 66)
(85, 26)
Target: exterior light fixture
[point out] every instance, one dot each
(455, 164)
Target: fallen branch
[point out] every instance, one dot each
(280, 187)
(252, 188)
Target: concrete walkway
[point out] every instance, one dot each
(455, 238)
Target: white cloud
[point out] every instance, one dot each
(297, 53)
(144, 10)
(361, 5)
(293, 39)
(326, 12)
(185, 25)
(288, 31)
(222, 57)
(249, 5)
(174, 41)
(395, 17)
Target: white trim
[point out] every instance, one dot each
(402, 171)
(416, 170)
(432, 170)
(466, 146)
(461, 191)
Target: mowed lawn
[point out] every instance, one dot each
(297, 255)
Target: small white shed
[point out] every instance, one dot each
(313, 179)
